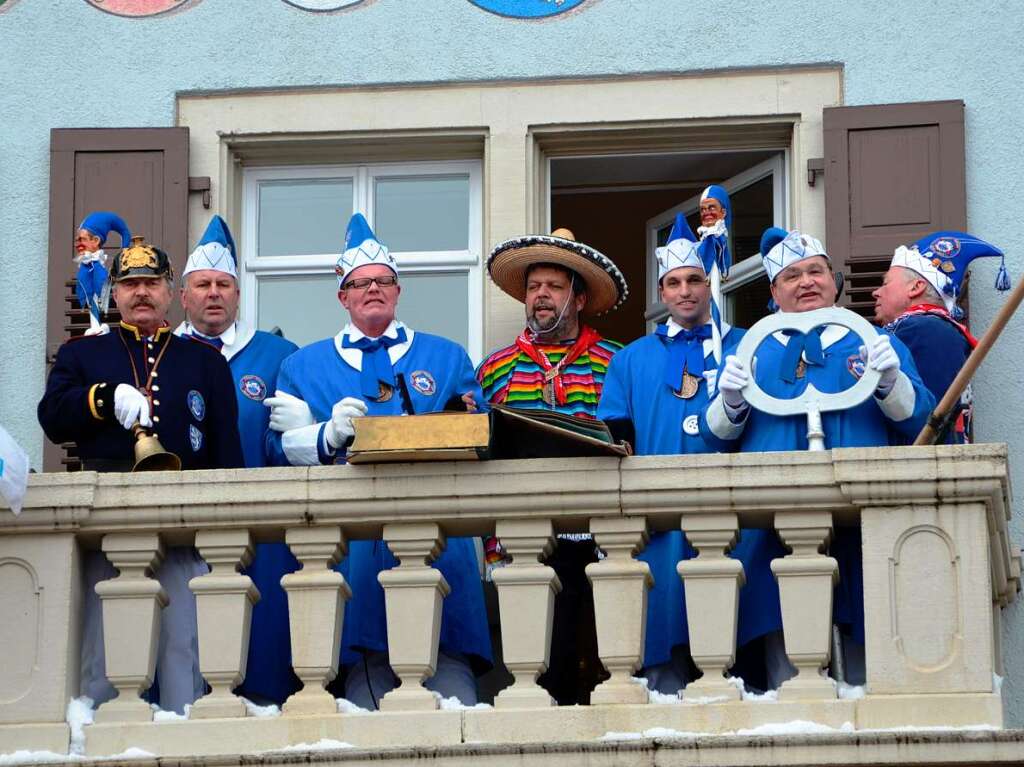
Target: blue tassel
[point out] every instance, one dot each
(957, 313)
(1003, 277)
(772, 306)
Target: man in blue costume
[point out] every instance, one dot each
(917, 304)
(832, 359)
(99, 389)
(377, 365)
(210, 295)
(653, 394)
(91, 284)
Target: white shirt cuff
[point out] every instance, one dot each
(720, 423)
(301, 446)
(898, 404)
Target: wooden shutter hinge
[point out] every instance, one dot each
(815, 167)
(202, 184)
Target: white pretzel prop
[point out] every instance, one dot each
(811, 402)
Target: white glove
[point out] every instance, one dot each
(288, 412)
(98, 330)
(339, 428)
(883, 358)
(731, 380)
(131, 405)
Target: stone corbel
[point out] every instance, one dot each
(412, 597)
(316, 596)
(806, 578)
(526, 599)
(224, 600)
(131, 622)
(712, 582)
(620, 606)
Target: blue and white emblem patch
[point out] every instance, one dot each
(253, 387)
(195, 437)
(855, 364)
(196, 405)
(423, 382)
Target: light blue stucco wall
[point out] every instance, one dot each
(65, 64)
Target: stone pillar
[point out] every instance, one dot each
(224, 600)
(131, 622)
(526, 600)
(412, 597)
(316, 596)
(712, 582)
(620, 606)
(806, 578)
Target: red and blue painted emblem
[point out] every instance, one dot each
(946, 247)
(253, 387)
(527, 9)
(423, 382)
(138, 7)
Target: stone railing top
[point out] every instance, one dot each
(470, 495)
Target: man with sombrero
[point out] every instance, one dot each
(557, 363)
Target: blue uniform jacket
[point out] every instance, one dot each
(663, 424)
(895, 420)
(193, 405)
(434, 370)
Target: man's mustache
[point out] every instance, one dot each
(142, 302)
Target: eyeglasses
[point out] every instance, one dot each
(364, 282)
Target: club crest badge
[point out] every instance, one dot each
(195, 438)
(527, 9)
(423, 382)
(253, 387)
(196, 405)
(855, 365)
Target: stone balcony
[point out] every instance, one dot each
(938, 568)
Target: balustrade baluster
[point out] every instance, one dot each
(526, 599)
(131, 604)
(806, 578)
(712, 582)
(224, 600)
(620, 606)
(412, 598)
(316, 596)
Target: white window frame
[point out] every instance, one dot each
(253, 267)
(750, 269)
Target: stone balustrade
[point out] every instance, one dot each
(938, 566)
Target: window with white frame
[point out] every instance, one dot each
(429, 214)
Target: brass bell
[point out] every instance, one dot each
(150, 454)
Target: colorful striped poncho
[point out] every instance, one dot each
(509, 377)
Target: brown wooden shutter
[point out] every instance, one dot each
(139, 173)
(893, 173)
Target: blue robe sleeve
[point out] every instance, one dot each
(468, 383)
(909, 404)
(272, 447)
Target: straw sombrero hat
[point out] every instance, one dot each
(508, 262)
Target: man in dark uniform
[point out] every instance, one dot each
(917, 304)
(100, 388)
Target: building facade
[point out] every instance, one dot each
(456, 124)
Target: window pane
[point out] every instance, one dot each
(436, 303)
(749, 302)
(303, 217)
(753, 212)
(306, 306)
(426, 213)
